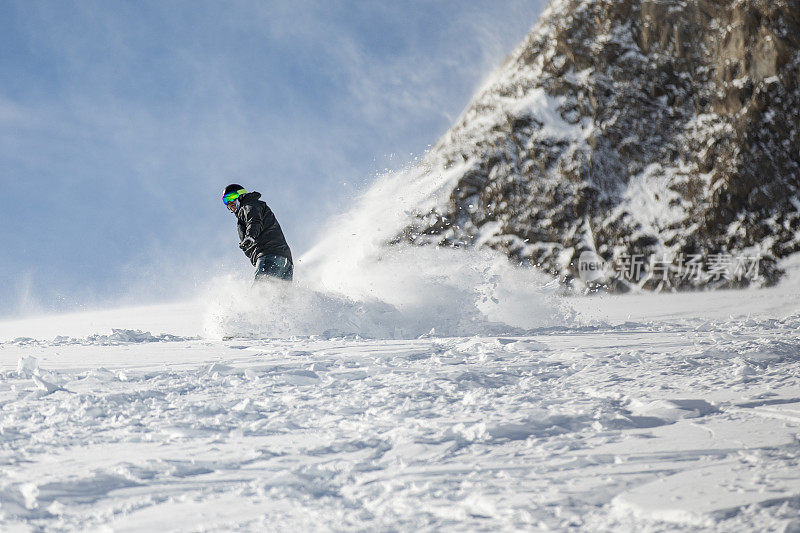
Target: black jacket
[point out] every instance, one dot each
(255, 219)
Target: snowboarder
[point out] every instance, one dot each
(260, 236)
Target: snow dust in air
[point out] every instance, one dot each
(352, 283)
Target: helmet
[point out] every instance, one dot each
(232, 192)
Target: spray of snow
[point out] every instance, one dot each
(352, 283)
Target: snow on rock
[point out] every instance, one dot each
(666, 130)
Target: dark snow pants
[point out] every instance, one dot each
(273, 266)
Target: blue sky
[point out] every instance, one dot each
(121, 121)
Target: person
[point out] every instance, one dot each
(260, 236)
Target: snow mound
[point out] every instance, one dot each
(120, 336)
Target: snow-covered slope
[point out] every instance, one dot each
(633, 413)
(661, 132)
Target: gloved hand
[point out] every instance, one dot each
(247, 243)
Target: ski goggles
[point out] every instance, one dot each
(233, 195)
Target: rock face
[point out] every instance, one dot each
(661, 135)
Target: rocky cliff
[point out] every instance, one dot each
(663, 136)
